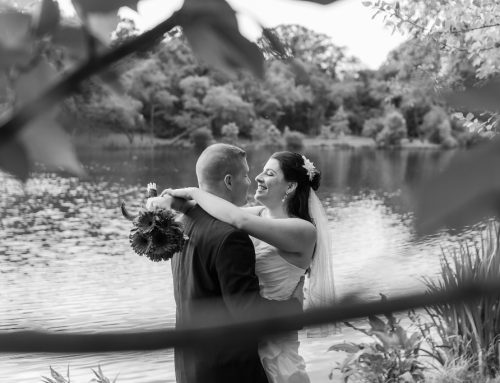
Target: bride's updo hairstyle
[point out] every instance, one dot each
(292, 166)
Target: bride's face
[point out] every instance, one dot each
(271, 184)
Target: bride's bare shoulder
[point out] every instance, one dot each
(255, 210)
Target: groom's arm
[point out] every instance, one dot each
(235, 265)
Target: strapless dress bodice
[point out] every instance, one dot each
(277, 277)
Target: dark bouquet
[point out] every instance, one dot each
(156, 234)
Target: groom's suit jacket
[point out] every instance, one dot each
(217, 266)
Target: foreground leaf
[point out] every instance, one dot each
(44, 140)
(346, 347)
(72, 39)
(14, 29)
(463, 194)
(15, 42)
(14, 159)
(30, 84)
(46, 21)
(376, 323)
(212, 31)
(225, 49)
(13, 56)
(103, 25)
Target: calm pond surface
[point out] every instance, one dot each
(66, 265)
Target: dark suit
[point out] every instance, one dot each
(218, 264)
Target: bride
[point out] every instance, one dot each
(291, 239)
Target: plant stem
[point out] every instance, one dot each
(230, 333)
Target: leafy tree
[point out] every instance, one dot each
(230, 133)
(465, 32)
(339, 123)
(311, 48)
(372, 127)
(394, 130)
(225, 106)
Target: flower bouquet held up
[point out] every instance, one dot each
(156, 234)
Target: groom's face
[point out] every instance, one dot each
(240, 184)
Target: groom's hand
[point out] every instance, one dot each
(154, 203)
(184, 193)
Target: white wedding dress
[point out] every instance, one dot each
(278, 279)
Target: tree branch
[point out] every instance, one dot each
(475, 28)
(232, 333)
(402, 19)
(69, 84)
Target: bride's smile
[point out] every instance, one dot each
(271, 185)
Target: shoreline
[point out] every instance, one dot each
(119, 141)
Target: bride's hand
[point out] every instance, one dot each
(184, 193)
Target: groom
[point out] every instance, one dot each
(218, 265)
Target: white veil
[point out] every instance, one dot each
(319, 288)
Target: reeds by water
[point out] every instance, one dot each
(469, 330)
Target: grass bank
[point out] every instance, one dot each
(118, 141)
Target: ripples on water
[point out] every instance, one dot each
(65, 264)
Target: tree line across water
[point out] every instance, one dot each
(313, 88)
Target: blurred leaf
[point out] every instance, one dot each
(46, 21)
(104, 6)
(485, 97)
(414, 340)
(402, 337)
(224, 49)
(30, 84)
(14, 29)
(212, 31)
(10, 57)
(14, 159)
(346, 347)
(44, 140)
(72, 39)
(388, 340)
(466, 192)
(102, 25)
(376, 323)
(15, 43)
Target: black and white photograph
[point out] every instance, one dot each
(264, 191)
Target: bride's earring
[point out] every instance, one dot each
(285, 197)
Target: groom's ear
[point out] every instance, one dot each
(228, 181)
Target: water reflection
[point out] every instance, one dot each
(65, 262)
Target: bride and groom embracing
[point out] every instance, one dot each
(249, 259)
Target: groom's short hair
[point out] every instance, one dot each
(216, 161)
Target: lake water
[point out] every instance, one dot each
(66, 265)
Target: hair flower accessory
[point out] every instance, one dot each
(309, 166)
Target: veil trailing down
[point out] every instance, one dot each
(319, 286)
